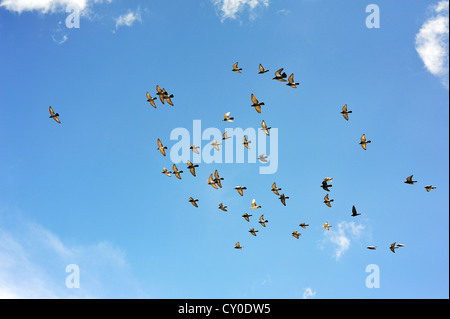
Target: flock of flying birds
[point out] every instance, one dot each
(214, 179)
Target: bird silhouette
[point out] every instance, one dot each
(253, 231)
(291, 81)
(193, 201)
(296, 234)
(191, 167)
(224, 208)
(151, 100)
(236, 68)
(409, 180)
(160, 93)
(393, 247)
(280, 76)
(372, 247)
(161, 147)
(303, 225)
(429, 187)
(238, 246)
(254, 206)
(54, 115)
(240, 190)
(364, 142)
(327, 201)
(326, 226)
(325, 185)
(211, 182)
(225, 136)
(354, 212)
(345, 113)
(247, 217)
(262, 70)
(256, 104)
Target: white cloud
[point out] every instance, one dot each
(128, 19)
(46, 6)
(341, 235)
(33, 263)
(308, 293)
(230, 8)
(432, 42)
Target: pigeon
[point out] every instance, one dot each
(291, 82)
(345, 113)
(280, 76)
(247, 217)
(176, 172)
(354, 212)
(263, 158)
(215, 145)
(262, 70)
(256, 104)
(151, 100)
(238, 246)
(160, 93)
(217, 179)
(245, 142)
(400, 245)
(227, 118)
(265, 128)
(364, 142)
(372, 247)
(166, 172)
(211, 182)
(262, 221)
(325, 186)
(236, 69)
(221, 207)
(409, 180)
(253, 231)
(283, 199)
(191, 167)
(167, 97)
(240, 190)
(194, 149)
(393, 247)
(429, 187)
(296, 234)
(326, 226)
(275, 189)
(54, 115)
(303, 225)
(225, 136)
(327, 201)
(254, 206)
(161, 147)
(193, 201)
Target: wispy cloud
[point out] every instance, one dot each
(128, 19)
(229, 9)
(432, 42)
(309, 293)
(341, 236)
(33, 263)
(47, 6)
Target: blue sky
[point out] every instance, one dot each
(90, 191)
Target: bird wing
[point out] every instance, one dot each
(253, 203)
(227, 115)
(235, 66)
(263, 125)
(254, 99)
(344, 108)
(261, 69)
(258, 108)
(160, 144)
(216, 174)
(291, 78)
(169, 101)
(354, 210)
(57, 120)
(240, 191)
(345, 115)
(363, 138)
(409, 179)
(51, 111)
(278, 72)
